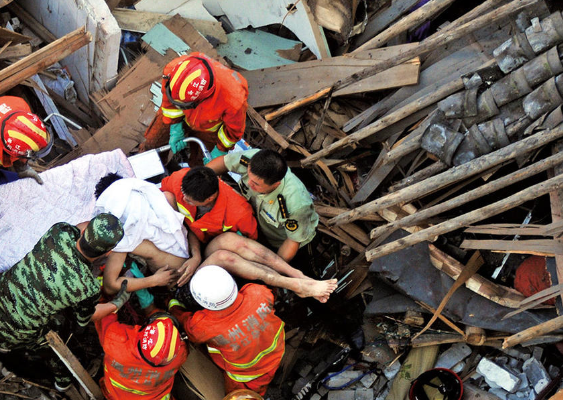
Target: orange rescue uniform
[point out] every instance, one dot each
(231, 211)
(127, 376)
(9, 104)
(246, 340)
(221, 116)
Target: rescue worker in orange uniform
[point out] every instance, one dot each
(23, 136)
(204, 96)
(243, 335)
(140, 362)
(209, 205)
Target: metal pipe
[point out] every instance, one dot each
(206, 153)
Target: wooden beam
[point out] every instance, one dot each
(426, 12)
(500, 294)
(282, 84)
(36, 26)
(74, 365)
(43, 58)
(17, 51)
(538, 247)
(329, 212)
(453, 175)
(436, 41)
(474, 194)
(533, 332)
(469, 218)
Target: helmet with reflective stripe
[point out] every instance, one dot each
(23, 134)
(159, 341)
(191, 81)
(213, 288)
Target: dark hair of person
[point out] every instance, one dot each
(269, 166)
(200, 183)
(105, 182)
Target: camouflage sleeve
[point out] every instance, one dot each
(84, 310)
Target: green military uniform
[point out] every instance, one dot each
(286, 213)
(50, 278)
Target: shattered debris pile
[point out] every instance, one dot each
(428, 134)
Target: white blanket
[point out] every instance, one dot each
(146, 215)
(28, 210)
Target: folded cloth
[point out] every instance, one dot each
(28, 210)
(146, 215)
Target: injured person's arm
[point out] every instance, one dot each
(112, 279)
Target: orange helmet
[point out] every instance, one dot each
(159, 340)
(24, 134)
(190, 81)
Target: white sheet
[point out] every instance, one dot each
(28, 210)
(146, 215)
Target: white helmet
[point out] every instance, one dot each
(213, 288)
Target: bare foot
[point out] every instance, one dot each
(320, 290)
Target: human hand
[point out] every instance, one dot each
(165, 276)
(187, 270)
(176, 140)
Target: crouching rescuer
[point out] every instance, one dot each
(24, 136)
(140, 362)
(243, 335)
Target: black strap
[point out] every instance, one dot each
(283, 207)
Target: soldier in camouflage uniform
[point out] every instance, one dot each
(55, 275)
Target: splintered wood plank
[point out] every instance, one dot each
(556, 201)
(539, 247)
(7, 35)
(384, 18)
(74, 365)
(517, 229)
(144, 21)
(18, 51)
(277, 85)
(502, 295)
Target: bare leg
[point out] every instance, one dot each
(251, 250)
(303, 287)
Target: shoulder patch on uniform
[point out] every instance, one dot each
(244, 161)
(283, 207)
(291, 225)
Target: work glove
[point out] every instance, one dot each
(176, 138)
(25, 171)
(214, 154)
(121, 297)
(143, 295)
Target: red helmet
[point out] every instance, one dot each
(23, 134)
(191, 80)
(159, 341)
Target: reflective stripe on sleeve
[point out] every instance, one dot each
(223, 137)
(260, 355)
(172, 113)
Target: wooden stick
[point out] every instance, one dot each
(533, 332)
(442, 318)
(475, 336)
(415, 18)
(74, 365)
(452, 175)
(424, 47)
(469, 270)
(474, 194)
(43, 58)
(418, 176)
(32, 23)
(480, 214)
(266, 127)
